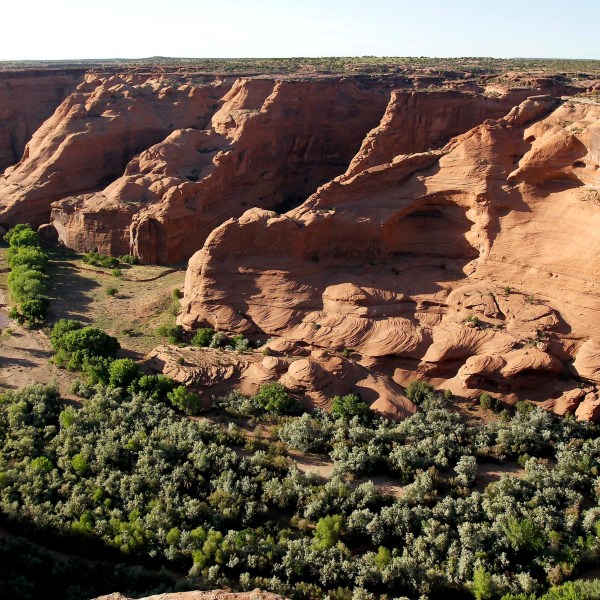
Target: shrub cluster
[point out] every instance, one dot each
(125, 472)
(205, 337)
(208, 337)
(100, 260)
(93, 352)
(27, 279)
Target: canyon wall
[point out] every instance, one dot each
(27, 99)
(475, 265)
(428, 225)
(95, 132)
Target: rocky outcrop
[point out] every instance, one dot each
(94, 133)
(27, 99)
(314, 378)
(270, 144)
(477, 261)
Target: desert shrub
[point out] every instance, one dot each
(189, 402)
(303, 433)
(274, 398)
(489, 402)
(95, 369)
(466, 470)
(483, 584)
(219, 340)
(129, 259)
(123, 372)
(203, 337)
(100, 260)
(235, 403)
(419, 391)
(175, 334)
(156, 387)
(77, 345)
(117, 273)
(112, 291)
(348, 406)
(523, 407)
(240, 343)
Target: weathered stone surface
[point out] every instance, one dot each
(270, 144)
(27, 99)
(467, 258)
(315, 379)
(93, 134)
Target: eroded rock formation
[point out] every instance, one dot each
(270, 144)
(315, 377)
(440, 225)
(27, 99)
(478, 262)
(94, 133)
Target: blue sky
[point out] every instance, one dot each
(62, 29)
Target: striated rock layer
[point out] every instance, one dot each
(439, 225)
(479, 262)
(151, 164)
(270, 144)
(27, 99)
(95, 132)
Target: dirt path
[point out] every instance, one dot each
(25, 357)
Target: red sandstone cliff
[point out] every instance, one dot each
(453, 233)
(270, 143)
(478, 263)
(27, 99)
(94, 133)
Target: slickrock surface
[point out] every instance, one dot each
(316, 378)
(94, 133)
(478, 261)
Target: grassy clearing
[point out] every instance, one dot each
(132, 310)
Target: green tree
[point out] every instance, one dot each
(348, 406)
(185, 400)
(327, 532)
(25, 284)
(60, 329)
(35, 310)
(483, 584)
(419, 391)
(122, 372)
(30, 256)
(22, 235)
(273, 397)
(203, 337)
(80, 464)
(153, 386)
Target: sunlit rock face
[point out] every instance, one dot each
(477, 261)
